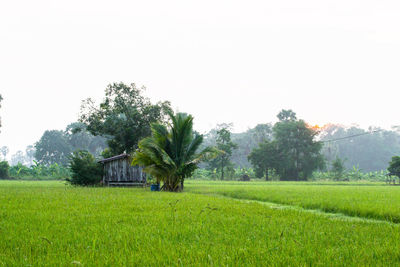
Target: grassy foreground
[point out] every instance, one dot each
(50, 224)
(367, 200)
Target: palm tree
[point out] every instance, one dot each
(170, 153)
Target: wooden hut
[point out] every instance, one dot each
(118, 171)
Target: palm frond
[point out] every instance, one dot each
(170, 154)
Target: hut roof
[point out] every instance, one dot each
(114, 158)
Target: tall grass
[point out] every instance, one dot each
(51, 224)
(369, 200)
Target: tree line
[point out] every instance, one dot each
(369, 152)
(289, 149)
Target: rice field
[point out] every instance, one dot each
(366, 200)
(52, 224)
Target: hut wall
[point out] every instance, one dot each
(120, 170)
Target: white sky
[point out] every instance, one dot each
(222, 61)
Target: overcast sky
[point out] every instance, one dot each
(222, 61)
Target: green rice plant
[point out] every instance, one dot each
(369, 200)
(49, 223)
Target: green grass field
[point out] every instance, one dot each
(369, 200)
(51, 224)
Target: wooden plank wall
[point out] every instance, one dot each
(121, 171)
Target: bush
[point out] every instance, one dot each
(338, 168)
(4, 169)
(84, 169)
(19, 171)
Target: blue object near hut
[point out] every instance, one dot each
(155, 187)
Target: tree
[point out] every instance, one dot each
(124, 116)
(338, 168)
(261, 133)
(4, 151)
(81, 139)
(247, 141)
(224, 144)
(300, 154)
(170, 153)
(264, 158)
(17, 158)
(394, 166)
(53, 147)
(371, 149)
(30, 154)
(287, 115)
(4, 173)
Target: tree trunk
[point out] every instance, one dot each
(266, 174)
(182, 184)
(222, 173)
(172, 185)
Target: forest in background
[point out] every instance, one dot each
(115, 128)
(370, 151)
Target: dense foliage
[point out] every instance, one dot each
(53, 147)
(39, 171)
(298, 153)
(4, 172)
(170, 153)
(79, 138)
(371, 151)
(394, 166)
(353, 174)
(85, 170)
(245, 141)
(293, 154)
(265, 158)
(124, 116)
(57, 146)
(338, 168)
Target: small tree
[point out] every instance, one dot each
(338, 168)
(4, 151)
(4, 169)
(394, 166)
(264, 158)
(85, 169)
(222, 162)
(170, 153)
(124, 116)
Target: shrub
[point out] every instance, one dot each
(4, 169)
(19, 171)
(338, 168)
(84, 169)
